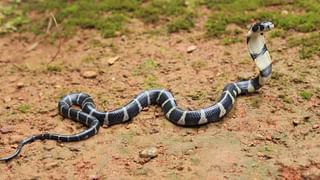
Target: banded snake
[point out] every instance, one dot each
(93, 119)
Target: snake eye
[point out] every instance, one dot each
(261, 27)
(255, 28)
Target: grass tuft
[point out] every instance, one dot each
(278, 33)
(24, 108)
(310, 45)
(306, 95)
(145, 68)
(151, 82)
(11, 18)
(182, 23)
(216, 26)
(245, 11)
(110, 16)
(54, 68)
(233, 40)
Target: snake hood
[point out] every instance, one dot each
(258, 49)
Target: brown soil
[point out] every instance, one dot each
(256, 140)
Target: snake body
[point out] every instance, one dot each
(93, 119)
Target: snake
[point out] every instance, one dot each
(90, 117)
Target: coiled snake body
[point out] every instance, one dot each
(93, 119)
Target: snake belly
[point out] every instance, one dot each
(89, 116)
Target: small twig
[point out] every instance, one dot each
(57, 53)
(54, 19)
(49, 25)
(60, 40)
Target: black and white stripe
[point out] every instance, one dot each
(92, 118)
(260, 55)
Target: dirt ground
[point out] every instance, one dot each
(271, 134)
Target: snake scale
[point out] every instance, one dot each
(93, 119)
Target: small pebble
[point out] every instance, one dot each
(93, 177)
(189, 152)
(51, 165)
(6, 130)
(264, 156)
(123, 38)
(89, 74)
(154, 131)
(112, 60)
(260, 137)
(269, 138)
(295, 122)
(149, 152)
(20, 85)
(48, 148)
(316, 126)
(74, 149)
(192, 48)
(57, 86)
(180, 168)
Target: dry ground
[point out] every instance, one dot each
(272, 134)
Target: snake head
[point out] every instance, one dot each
(261, 27)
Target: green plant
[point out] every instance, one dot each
(180, 23)
(145, 68)
(24, 108)
(54, 68)
(310, 45)
(232, 40)
(306, 95)
(151, 82)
